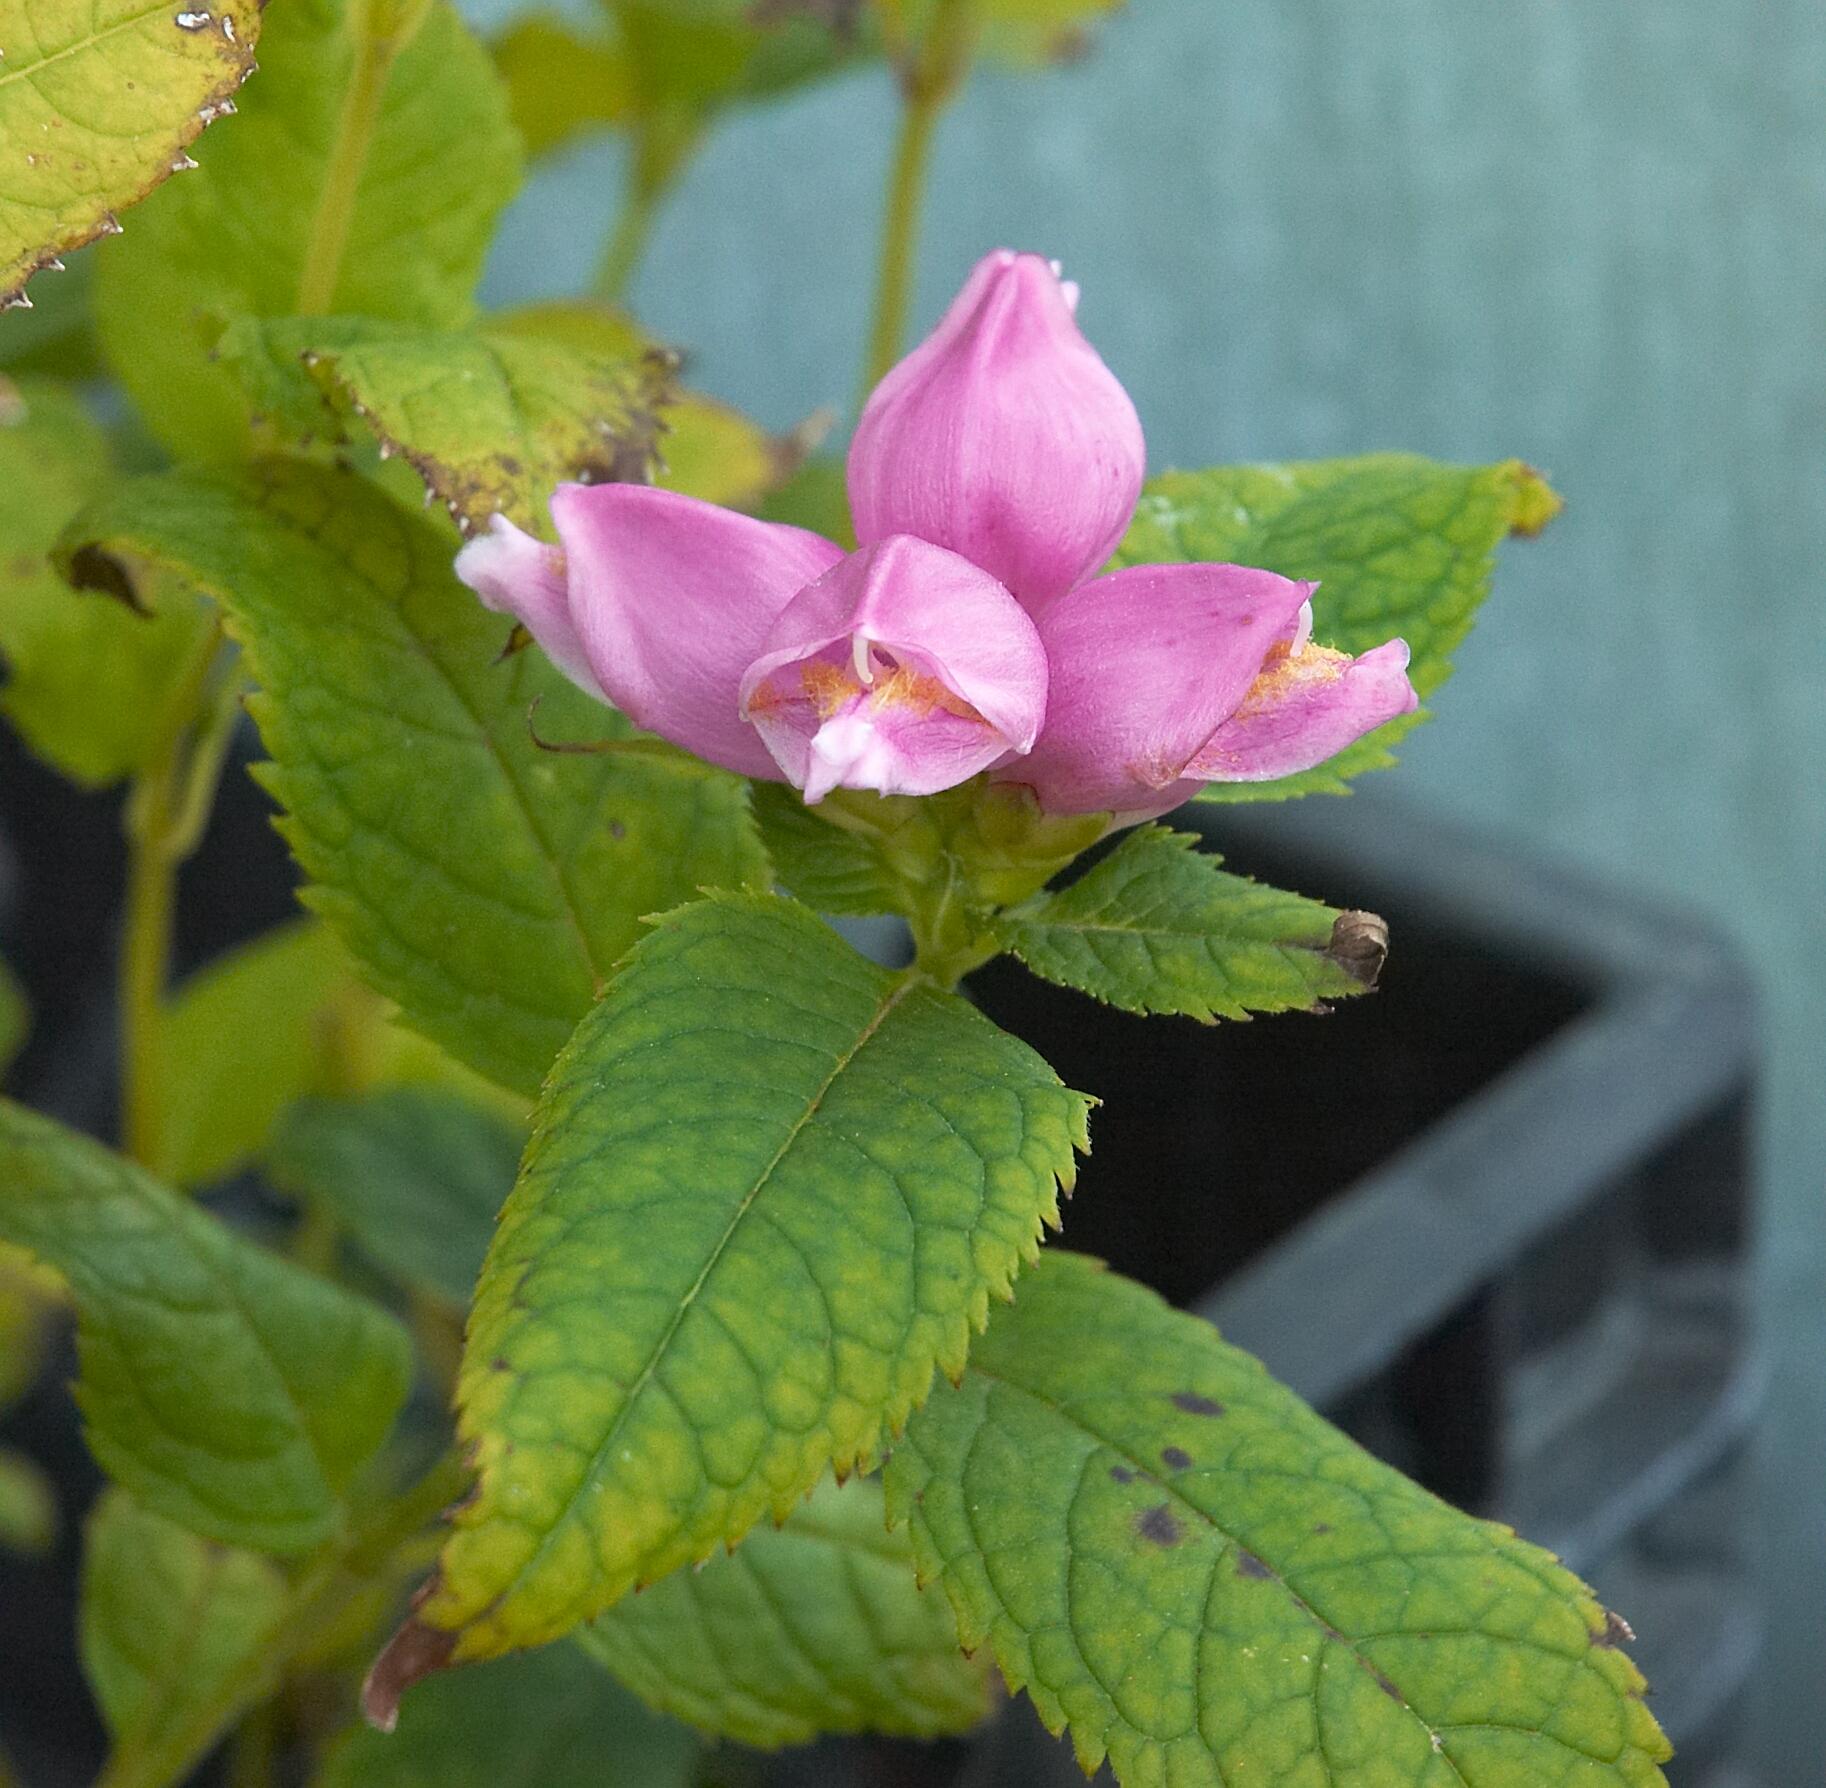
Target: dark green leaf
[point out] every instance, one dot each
(484, 884)
(1181, 1562)
(414, 1174)
(770, 1188)
(1401, 546)
(228, 1390)
(1157, 926)
(816, 1626)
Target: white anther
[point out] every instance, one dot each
(860, 648)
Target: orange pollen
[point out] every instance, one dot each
(830, 687)
(1284, 672)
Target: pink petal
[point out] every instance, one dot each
(1003, 437)
(1144, 666)
(903, 669)
(671, 599)
(516, 575)
(1304, 709)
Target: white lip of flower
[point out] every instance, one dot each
(861, 656)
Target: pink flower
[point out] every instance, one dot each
(993, 470)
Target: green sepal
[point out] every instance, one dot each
(230, 1391)
(1204, 1581)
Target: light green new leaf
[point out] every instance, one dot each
(1402, 547)
(168, 1619)
(1178, 1559)
(28, 1509)
(771, 1187)
(97, 105)
(485, 885)
(414, 1174)
(86, 677)
(244, 1037)
(490, 419)
(1027, 31)
(1157, 926)
(551, 1720)
(228, 1390)
(313, 201)
(815, 1626)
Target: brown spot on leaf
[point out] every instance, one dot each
(1321, 1527)
(1175, 1458)
(1360, 946)
(1159, 1525)
(92, 568)
(1122, 1474)
(617, 830)
(1617, 1631)
(412, 1654)
(1195, 1405)
(1387, 1687)
(1248, 1565)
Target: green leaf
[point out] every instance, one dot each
(770, 1188)
(97, 105)
(244, 1037)
(28, 1509)
(562, 85)
(1029, 31)
(816, 1626)
(414, 1174)
(491, 420)
(15, 1017)
(551, 1720)
(1157, 926)
(87, 677)
(1178, 1559)
(705, 449)
(313, 201)
(168, 1621)
(1401, 547)
(228, 1390)
(486, 886)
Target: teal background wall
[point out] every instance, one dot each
(1588, 232)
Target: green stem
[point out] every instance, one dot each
(628, 243)
(381, 28)
(335, 1577)
(930, 77)
(166, 810)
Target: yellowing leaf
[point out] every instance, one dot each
(98, 103)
